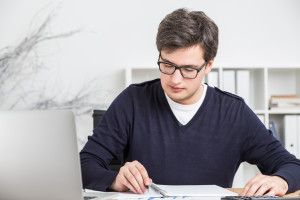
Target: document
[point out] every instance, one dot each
(212, 191)
(229, 81)
(194, 190)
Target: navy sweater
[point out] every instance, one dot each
(207, 150)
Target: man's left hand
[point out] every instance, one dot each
(265, 185)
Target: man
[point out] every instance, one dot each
(175, 130)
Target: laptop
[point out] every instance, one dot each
(39, 157)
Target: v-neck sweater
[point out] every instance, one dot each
(207, 150)
(184, 113)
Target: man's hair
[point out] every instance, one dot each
(182, 29)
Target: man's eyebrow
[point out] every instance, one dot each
(165, 60)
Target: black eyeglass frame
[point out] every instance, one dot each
(179, 67)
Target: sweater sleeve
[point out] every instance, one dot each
(262, 149)
(109, 139)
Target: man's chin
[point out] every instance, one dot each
(177, 98)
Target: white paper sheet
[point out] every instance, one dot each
(201, 192)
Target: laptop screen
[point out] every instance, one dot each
(39, 156)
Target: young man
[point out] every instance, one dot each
(175, 130)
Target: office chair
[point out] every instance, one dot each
(115, 164)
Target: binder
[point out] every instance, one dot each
(291, 139)
(213, 79)
(229, 81)
(243, 84)
(298, 134)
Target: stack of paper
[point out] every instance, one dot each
(284, 102)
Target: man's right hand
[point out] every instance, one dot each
(133, 176)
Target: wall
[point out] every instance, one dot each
(120, 34)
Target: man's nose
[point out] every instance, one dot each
(176, 77)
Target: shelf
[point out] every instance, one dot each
(259, 112)
(284, 111)
(261, 81)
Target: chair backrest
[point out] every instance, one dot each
(115, 163)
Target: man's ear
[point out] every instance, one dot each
(209, 66)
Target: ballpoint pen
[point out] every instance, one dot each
(157, 189)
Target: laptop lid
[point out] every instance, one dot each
(39, 156)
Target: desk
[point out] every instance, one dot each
(239, 191)
(236, 190)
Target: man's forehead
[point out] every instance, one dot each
(194, 51)
(170, 50)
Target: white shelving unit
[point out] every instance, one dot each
(264, 81)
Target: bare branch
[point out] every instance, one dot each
(20, 64)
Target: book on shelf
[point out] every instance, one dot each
(273, 129)
(284, 102)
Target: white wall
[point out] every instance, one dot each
(120, 34)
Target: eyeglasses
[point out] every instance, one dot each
(186, 71)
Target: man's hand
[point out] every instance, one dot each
(133, 176)
(265, 185)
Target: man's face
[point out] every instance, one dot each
(179, 89)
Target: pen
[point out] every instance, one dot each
(157, 189)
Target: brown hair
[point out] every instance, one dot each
(182, 29)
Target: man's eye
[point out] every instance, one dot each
(188, 69)
(168, 65)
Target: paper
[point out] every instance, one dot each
(122, 195)
(179, 191)
(195, 190)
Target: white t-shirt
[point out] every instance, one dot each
(184, 113)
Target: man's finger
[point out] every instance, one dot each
(138, 177)
(128, 184)
(144, 174)
(271, 192)
(263, 189)
(132, 180)
(252, 190)
(249, 185)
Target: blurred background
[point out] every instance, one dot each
(74, 53)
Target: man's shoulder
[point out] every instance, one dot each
(226, 94)
(144, 86)
(153, 82)
(144, 89)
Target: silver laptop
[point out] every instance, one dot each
(39, 158)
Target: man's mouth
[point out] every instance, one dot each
(176, 89)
